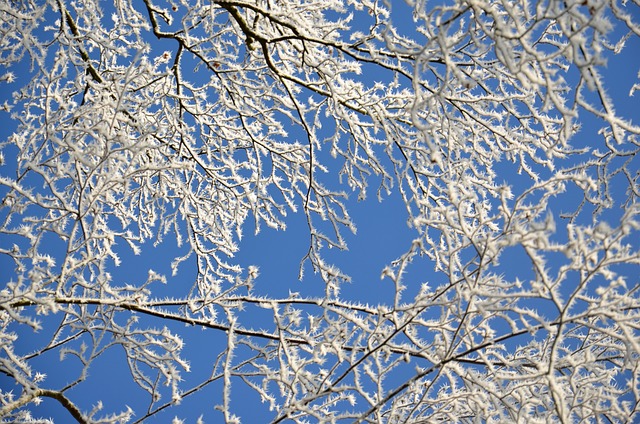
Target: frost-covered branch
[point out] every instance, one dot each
(148, 140)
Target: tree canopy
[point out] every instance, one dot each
(502, 131)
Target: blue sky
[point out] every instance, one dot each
(382, 236)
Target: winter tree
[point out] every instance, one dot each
(183, 128)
